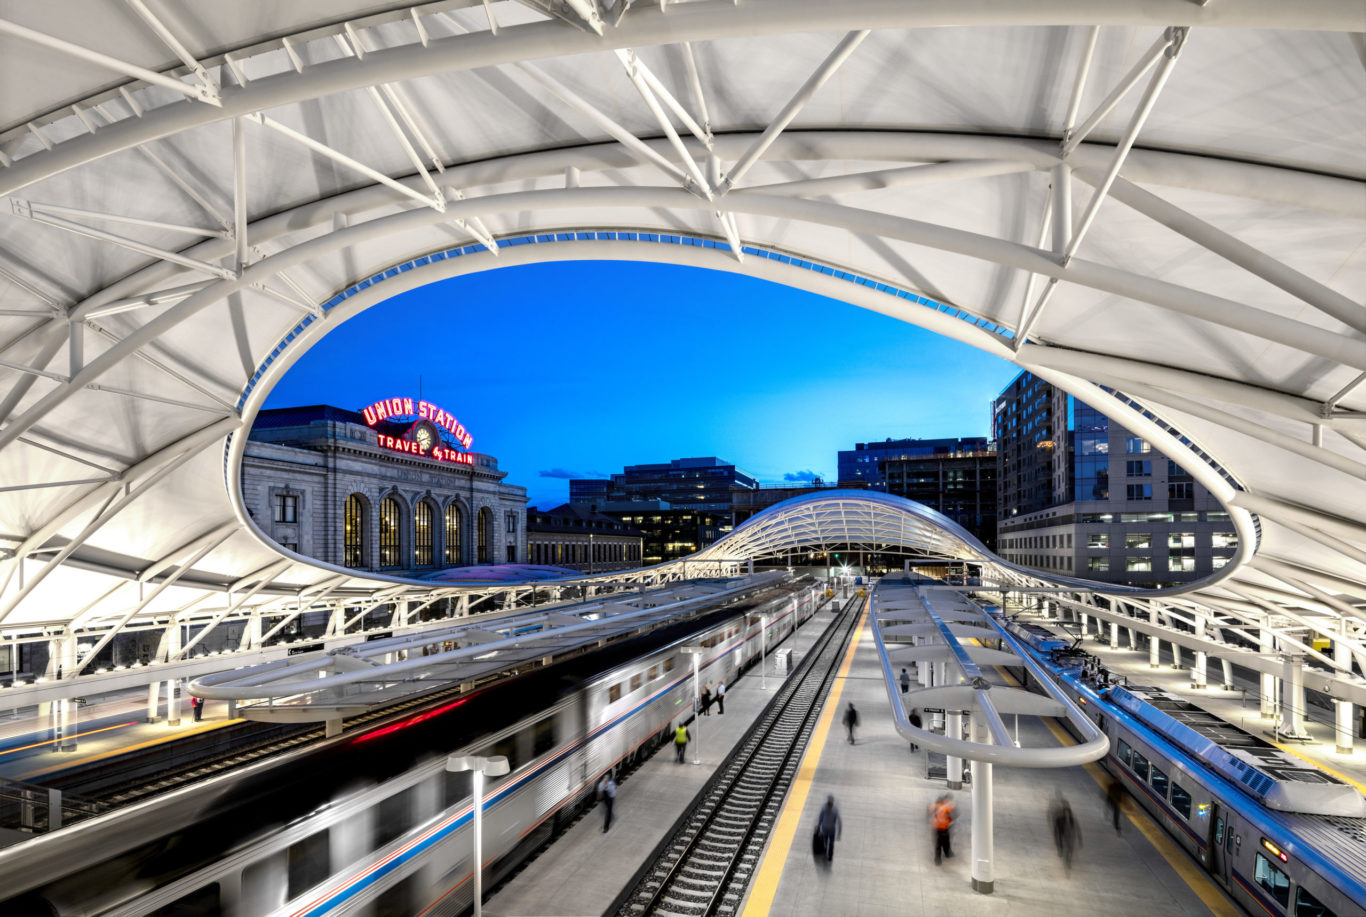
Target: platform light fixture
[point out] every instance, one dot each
(494, 766)
(696, 653)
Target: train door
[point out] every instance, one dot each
(1220, 842)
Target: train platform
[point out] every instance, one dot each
(883, 864)
(584, 870)
(110, 725)
(1239, 706)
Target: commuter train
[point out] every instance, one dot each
(371, 823)
(1283, 838)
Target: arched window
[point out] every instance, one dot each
(353, 534)
(422, 535)
(453, 526)
(389, 519)
(484, 536)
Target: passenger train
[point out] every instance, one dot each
(371, 823)
(1283, 838)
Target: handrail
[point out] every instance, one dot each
(1095, 744)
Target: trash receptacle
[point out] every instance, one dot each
(782, 661)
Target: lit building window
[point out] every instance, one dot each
(1137, 445)
(1223, 539)
(484, 536)
(453, 525)
(1138, 540)
(1098, 564)
(422, 535)
(1138, 564)
(389, 517)
(354, 532)
(1181, 563)
(286, 507)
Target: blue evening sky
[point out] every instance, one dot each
(575, 369)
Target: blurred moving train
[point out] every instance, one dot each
(371, 823)
(1281, 836)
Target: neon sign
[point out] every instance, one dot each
(422, 438)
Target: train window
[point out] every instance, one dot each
(1124, 752)
(1218, 830)
(1306, 905)
(654, 672)
(1141, 766)
(508, 748)
(203, 902)
(668, 665)
(393, 818)
(1181, 800)
(543, 738)
(1272, 879)
(635, 682)
(614, 694)
(459, 786)
(309, 864)
(1159, 782)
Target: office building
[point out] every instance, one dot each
(864, 463)
(1128, 514)
(960, 484)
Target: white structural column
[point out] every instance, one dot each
(953, 767)
(1154, 644)
(1292, 699)
(1201, 658)
(1114, 635)
(983, 827)
(1228, 674)
(1345, 709)
(1176, 655)
(1269, 686)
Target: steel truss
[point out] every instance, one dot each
(1302, 554)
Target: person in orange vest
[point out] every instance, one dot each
(941, 819)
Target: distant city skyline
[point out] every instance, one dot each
(576, 369)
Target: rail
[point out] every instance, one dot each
(709, 855)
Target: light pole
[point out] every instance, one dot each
(763, 653)
(495, 766)
(696, 653)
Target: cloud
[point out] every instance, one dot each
(800, 476)
(562, 473)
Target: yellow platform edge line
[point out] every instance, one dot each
(180, 733)
(765, 886)
(1211, 895)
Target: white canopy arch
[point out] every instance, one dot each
(1159, 206)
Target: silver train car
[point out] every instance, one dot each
(1281, 836)
(372, 823)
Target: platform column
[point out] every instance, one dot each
(1292, 700)
(64, 710)
(1114, 636)
(1201, 659)
(1228, 674)
(1269, 686)
(1176, 655)
(1154, 645)
(153, 701)
(1085, 624)
(1346, 710)
(954, 766)
(983, 818)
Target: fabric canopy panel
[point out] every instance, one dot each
(1158, 206)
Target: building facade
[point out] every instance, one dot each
(581, 539)
(679, 507)
(1130, 515)
(391, 489)
(864, 463)
(959, 484)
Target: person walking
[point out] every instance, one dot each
(851, 721)
(914, 719)
(607, 792)
(197, 703)
(721, 697)
(681, 739)
(941, 820)
(706, 699)
(828, 828)
(905, 681)
(1114, 797)
(1066, 832)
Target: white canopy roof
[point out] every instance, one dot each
(199, 192)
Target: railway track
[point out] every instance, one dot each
(705, 864)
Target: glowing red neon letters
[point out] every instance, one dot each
(401, 407)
